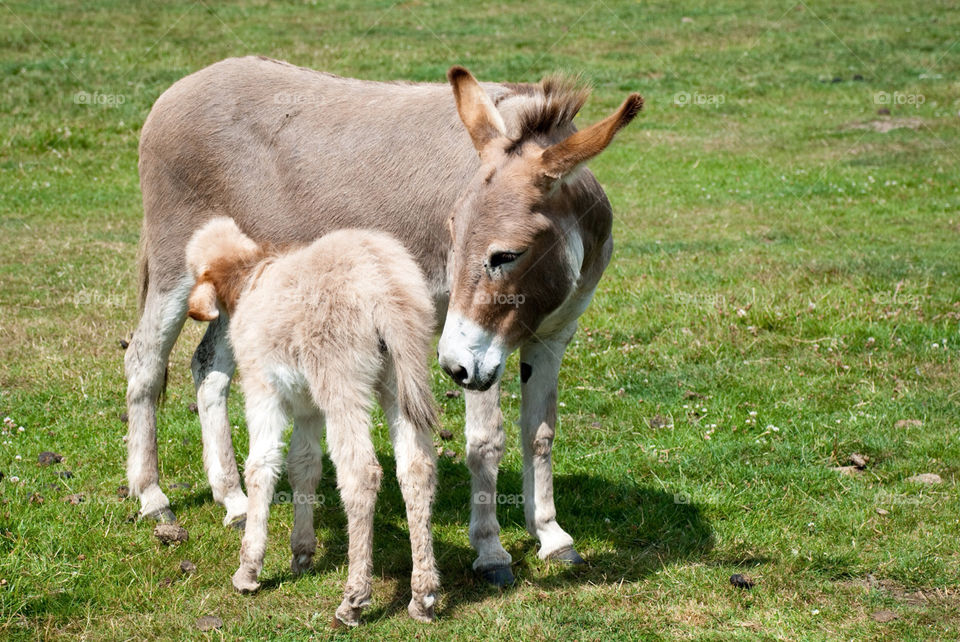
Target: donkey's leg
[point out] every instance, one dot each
(145, 364)
(539, 368)
(417, 474)
(304, 466)
(266, 420)
(212, 368)
(358, 478)
(484, 432)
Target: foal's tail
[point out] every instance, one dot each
(221, 258)
(407, 334)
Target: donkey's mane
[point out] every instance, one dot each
(551, 105)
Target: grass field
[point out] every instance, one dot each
(785, 292)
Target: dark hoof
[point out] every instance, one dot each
(498, 576)
(162, 515)
(567, 555)
(239, 524)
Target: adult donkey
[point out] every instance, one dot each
(511, 232)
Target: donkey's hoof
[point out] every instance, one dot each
(162, 515)
(498, 576)
(239, 523)
(245, 581)
(422, 610)
(300, 564)
(567, 555)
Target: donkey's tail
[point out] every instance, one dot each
(220, 257)
(406, 333)
(143, 274)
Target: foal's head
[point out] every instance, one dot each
(519, 229)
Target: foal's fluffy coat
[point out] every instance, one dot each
(316, 332)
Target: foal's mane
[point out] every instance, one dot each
(550, 105)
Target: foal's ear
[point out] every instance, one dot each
(562, 158)
(202, 304)
(476, 110)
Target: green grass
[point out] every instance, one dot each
(772, 257)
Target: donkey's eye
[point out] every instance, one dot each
(498, 259)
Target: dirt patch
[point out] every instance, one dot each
(922, 596)
(884, 125)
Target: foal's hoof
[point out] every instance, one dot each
(162, 515)
(422, 610)
(239, 524)
(567, 555)
(346, 616)
(300, 564)
(245, 581)
(498, 576)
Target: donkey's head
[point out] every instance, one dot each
(517, 231)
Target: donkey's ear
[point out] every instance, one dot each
(202, 304)
(562, 158)
(476, 110)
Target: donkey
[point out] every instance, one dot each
(486, 188)
(314, 331)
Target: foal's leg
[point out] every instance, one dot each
(358, 478)
(484, 432)
(266, 420)
(304, 466)
(540, 366)
(145, 364)
(212, 368)
(417, 474)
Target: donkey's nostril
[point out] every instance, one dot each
(458, 373)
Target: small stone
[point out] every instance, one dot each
(65, 474)
(193, 408)
(446, 435)
(882, 512)
(449, 454)
(81, 557)
(46, 458)
(859, 460)
(741, 581)
(209, 623)
(926, 478)
(453, 394)
(908, 423)
(187, 567)
(170, 533)
(884, 616)
(124, 417)
(124, 344)
(123, 492)
(686, 20)
(74, 499)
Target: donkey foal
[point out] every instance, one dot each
(316, 332)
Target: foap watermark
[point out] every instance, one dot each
(681, 499)
(99, 299)
(290, 99)
(498, 498)
(499, 298)
(898, 98)
(98, 99)
(294, 497)
(700, 300)
(685, 98)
